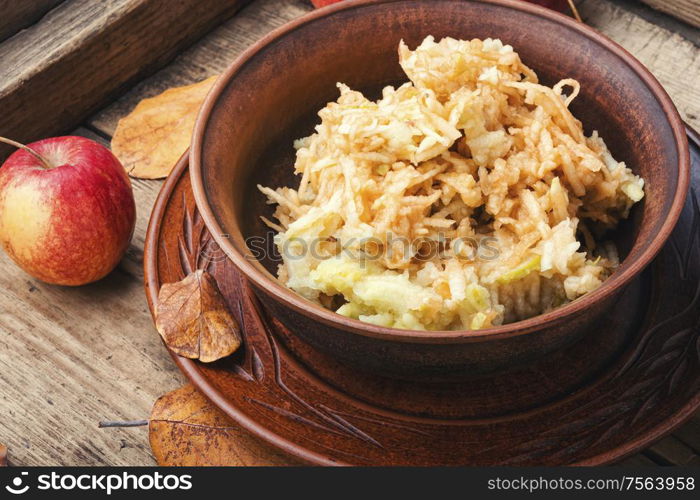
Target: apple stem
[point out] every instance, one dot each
(44, 162)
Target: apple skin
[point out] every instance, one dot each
(69, 224)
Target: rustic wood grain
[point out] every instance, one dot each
(83, 53)
(209, 56)
(658, 18)
(72, 357)
(18, 15)
(687, 10)
(674, 60)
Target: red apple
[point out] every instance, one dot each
(322, 3)
(67, 211)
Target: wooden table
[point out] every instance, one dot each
(72, 357)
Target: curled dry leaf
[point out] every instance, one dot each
(150, 139)
(187, 430)
(3, 455)
(194, 320)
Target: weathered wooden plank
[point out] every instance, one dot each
(208, 57)
(83, 53)
(674, 60)
(18, 15)
(658, 18)
(687, 10)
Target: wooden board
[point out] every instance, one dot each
(210, 56)
(674, 60)
(83, 53)
(72, 357)
(686, 10)
(18, 15)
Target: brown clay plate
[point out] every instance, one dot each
(588, 405)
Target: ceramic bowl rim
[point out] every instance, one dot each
(266, 282)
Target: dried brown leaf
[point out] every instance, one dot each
(194, 319)
(150, 139)
(3, 455)
(187, 430)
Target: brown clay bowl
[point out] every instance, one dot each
(270, 95)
